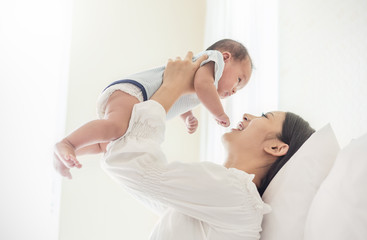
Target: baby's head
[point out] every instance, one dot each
(237, 66)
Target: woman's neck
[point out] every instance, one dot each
(249, 165)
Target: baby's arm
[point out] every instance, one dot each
(190, 121)
(207, 93)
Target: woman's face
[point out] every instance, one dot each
(253, 132)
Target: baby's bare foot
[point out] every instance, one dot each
(61, 168)
(191, 124)
(65, 151)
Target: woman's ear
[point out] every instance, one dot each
(277, 148)
(226, 56)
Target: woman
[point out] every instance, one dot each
(202, 200)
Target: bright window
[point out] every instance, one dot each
(255, 24)
(34, 52)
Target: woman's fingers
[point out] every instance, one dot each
(181, 71)
(189, 55)
(178, 79)
(200, 60)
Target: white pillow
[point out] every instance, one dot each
(339, 209)
(291, 191)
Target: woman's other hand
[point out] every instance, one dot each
(178, 79)
(180, 73)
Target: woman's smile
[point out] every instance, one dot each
(240, 127)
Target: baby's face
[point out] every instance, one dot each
(236, 75)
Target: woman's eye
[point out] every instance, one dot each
(239, 80)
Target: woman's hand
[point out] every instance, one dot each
(177, 80)
(180, 73)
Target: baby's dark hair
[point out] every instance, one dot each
(238, 51)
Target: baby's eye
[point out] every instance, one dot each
(239, 80)
(264, 115)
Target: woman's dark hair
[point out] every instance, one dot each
(295, 132)
(238, 51)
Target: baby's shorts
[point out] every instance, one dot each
(125, 87)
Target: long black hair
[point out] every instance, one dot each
(295, 132)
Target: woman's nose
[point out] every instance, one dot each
(234, 90)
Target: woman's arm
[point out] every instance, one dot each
(203, 190)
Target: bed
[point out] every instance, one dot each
(320, 193)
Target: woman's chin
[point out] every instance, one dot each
(225, 138)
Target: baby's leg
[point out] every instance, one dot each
(101, 131)
(92, 149)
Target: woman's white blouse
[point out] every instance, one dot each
(196, 201)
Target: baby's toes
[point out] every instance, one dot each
(78, 165)
(69, 162)
(75, 161)
(66, 173)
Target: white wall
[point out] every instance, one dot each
(33, 74)
(110, 39)
(323, 63)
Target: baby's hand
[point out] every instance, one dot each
(191, 124)
(223, 120)
(64, 158)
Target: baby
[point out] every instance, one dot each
(227, 69)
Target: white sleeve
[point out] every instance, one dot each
(202, 190)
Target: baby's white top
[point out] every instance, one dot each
(149, 81)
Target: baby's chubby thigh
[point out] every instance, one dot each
(118, 112)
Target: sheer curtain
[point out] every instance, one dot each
(34, 54)
(254, 23)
